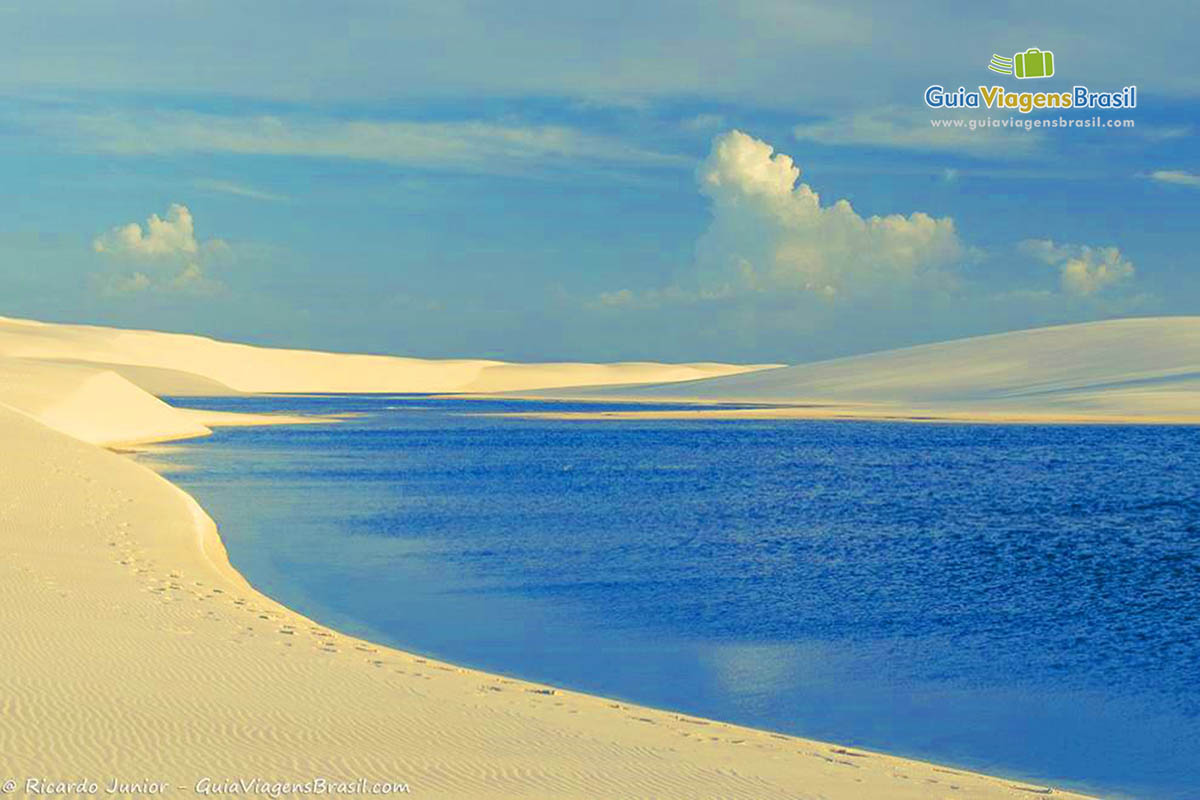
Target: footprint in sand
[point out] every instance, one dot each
(841, 751)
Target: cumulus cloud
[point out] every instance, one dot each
(173, 235)
(771, 233)
(165, 255)
(1083, 270)
(780, 270)
(1176, 176)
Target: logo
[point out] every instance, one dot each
(1033, 63)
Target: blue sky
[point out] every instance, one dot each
(574, 181)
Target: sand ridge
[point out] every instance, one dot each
(181, 364)
(1125, 370)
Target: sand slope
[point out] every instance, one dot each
(1119, 369)
(101, 407)
(178, 364)
(132, 650)
(94, 405)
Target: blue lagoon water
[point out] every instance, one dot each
(1014, 599)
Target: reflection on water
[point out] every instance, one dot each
(763, 670)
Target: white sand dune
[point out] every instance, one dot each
(1129, 369)
(99, 406)
(179, 364)
(94, 405)
(131, 650)
(61, 375)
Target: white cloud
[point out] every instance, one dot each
(174, 235)
(470, 146)
(778, 264)
(1165, 133)
(127, 284)
(236, 189)
(770, 232)
(912, 129)
(621, 297)
(167, 255)
(704, 122)
(1176, 176)
(774, 54)
(1083, 270)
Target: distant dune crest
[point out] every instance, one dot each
(100, 384)
(1140, 369)
(182, 364)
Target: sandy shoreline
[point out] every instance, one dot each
(133, 650)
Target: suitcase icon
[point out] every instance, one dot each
(1034, 63)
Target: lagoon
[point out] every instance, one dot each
(1023, 600)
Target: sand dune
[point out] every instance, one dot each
(159, 381)
(178, 364)
(1131, 369)
(94, 405)
(133, 651)
(101, 407)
